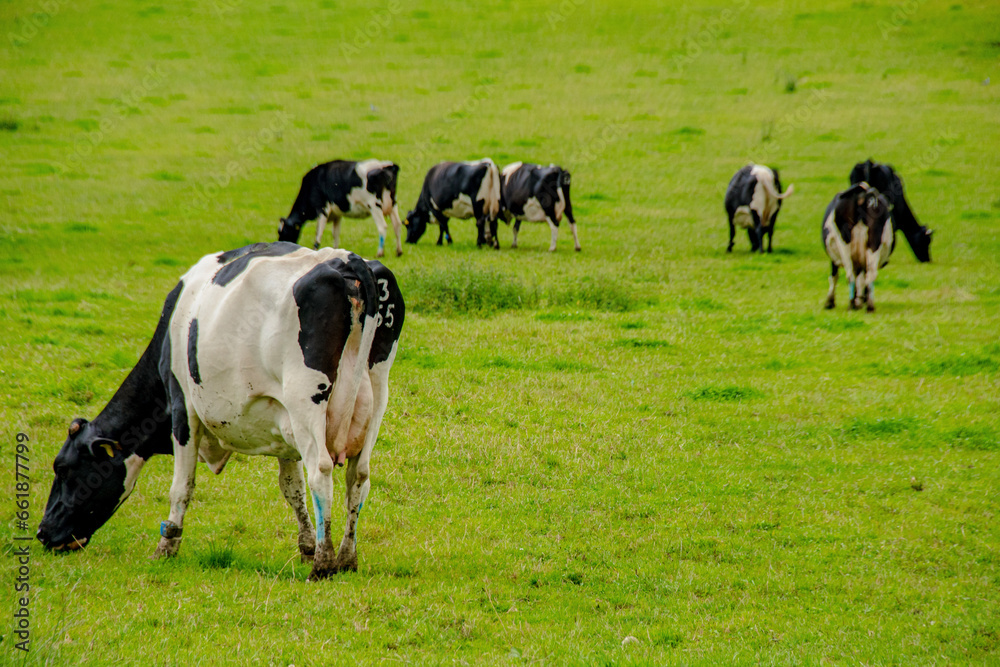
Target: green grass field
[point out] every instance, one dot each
(649, 438)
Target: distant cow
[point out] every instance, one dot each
(536, 194)
(271, 349)
(458, 190)
(345, 189)
(858, 235)
(753, 200)
(884, 178)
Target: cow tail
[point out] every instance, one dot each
(493, 204)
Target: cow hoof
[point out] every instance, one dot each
(399, 253)
(346, 563)
(729, 249)
(166, 548)
(578, 248)
(306, 558)
(439, 243)
(870, 308)
(319, 574)
(315, 246)
(380, 253)
(830, 305)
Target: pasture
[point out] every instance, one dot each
(650, 438)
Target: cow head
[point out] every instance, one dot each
(289, 229)
(920, 242)
(416, 225)
(88, 488)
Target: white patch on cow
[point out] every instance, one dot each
(133, 465)
(510, 169)
(859, 246)
(460, 208)
(560, 206)
(743, 218)
(533, 211)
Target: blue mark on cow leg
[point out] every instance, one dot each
(850, 291)
(381, 243)
(320, 521)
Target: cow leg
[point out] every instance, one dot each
(483, 232)
(382, 228)
(293, 487)
(182, 487)
(830, 298)
(770, 236)
(572, 228)
(870, 275)
(493, 233)
(320, 226)
(335, 228)
(440, 240)
(517, 228)
(732, 234)
(397, 229)
(358, 468)
(856, 281)
(555, 233)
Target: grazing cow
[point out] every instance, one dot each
(884, 178)
(458, 190)
(753, 200)
(345, 189)
(271, 349)
(858, 235)
(536, 194)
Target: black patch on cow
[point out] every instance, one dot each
(328, 183)
(324, 393)
(542, 183)
(175, 405)
(241, 259)
(323, 299)
(193, 351)
(386, 335)
(884, 178)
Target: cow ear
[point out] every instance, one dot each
(101, 447)
(76, 425)
(394, 168)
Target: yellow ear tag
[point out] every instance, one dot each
(106, 447)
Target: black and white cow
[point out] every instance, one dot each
(536, 194)
(345, 189)
(458, 190)
(858, 235)
(753, 200)
(884, 178)
(271, 349)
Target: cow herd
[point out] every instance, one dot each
(858, 226)
(273, 349)
(522, 192)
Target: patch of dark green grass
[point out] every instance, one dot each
(703, 304)
(166, 176)
(81, 227)
(667, 638)
(600, 293)
(168, 261)
(979, 438)
(729, 393)
(632, 324)
(561, 316)
(46, 296)
(217, 556)
(879, 427)
(642, 343)
(688, 131)
(465, 289)
(955, 365)
(8, 124)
